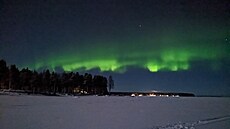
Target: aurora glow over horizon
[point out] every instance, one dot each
(154, 55)
(155, 41)
(116, 60)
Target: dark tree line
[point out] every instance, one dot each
(47, 82)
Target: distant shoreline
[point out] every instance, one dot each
(161, 94)
(132, 94)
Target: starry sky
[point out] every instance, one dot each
(163, 45)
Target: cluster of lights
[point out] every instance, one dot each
(153, 95)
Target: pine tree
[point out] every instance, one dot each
(111, 83)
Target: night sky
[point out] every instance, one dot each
(163, 45)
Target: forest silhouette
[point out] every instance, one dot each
(52, 83)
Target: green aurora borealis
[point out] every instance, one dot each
(166, 54)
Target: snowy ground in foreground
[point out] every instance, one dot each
(94, 112)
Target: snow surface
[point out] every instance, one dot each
(107, 112)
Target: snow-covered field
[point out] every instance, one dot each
(106, 112)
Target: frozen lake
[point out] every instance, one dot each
(106, 112)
